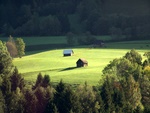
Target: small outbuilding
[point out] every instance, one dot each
(82, 63)
(68, 52)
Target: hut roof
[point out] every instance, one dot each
(83, 60)
(68, 51)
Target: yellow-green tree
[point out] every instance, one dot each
(20, 47)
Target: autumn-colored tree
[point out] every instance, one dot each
(11, 47)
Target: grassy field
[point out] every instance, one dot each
(52, 62)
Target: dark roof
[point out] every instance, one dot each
(83, 60)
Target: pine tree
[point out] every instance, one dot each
(30, 102)
(17, 102)
(145, 90)
(46, 81)
(59, 98)
(132, 92)
(88, 98)
(107, 95)
(16, 80)
(39, 81)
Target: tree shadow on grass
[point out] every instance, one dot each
(69, 68)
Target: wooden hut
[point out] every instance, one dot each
(68, 52)
(82, 63)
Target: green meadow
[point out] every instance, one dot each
(52, 62)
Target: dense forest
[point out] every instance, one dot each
(126, 20)
(124, 88)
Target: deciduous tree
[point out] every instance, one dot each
(20, 47)
(6, 64)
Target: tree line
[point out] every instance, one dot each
(38, 18)
(124, 88)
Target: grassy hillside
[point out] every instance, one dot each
(58, 67)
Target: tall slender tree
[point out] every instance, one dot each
(20, 47)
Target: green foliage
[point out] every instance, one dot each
(146, 71)
(147, 61)
(132, 92)
(107, 95)
(70, 38)
(40, 94)
(17, 102)
(2, 102)
(127, 83)
(130, 64)
(39, 80)
(121, 92)
(31, 102)
(88, 98)
(134, 57)
(51, 107)
(145, 90)
(66, 100)
(116, 33)
(5, 60)
(96, 16)
(17, 81)
(46, 81)
(42, 81)
(20, 45)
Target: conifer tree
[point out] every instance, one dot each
(39, 81)
(31, 102)
(59, 97)
(46, 81)
(145, 90)
(16, 80)
(132, 92)
(107, 95)
(17, 102)
(66, 100)
(88, 99)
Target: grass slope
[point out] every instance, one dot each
(58, 67)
